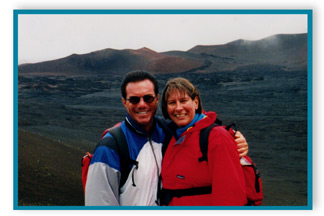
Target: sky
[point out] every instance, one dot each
(48, 37)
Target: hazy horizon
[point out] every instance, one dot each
(49, 37)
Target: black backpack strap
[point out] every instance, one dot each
(204, 136)
(168, 194)
(203, 141)
(120, 146)
(233, 126)
(126, 162)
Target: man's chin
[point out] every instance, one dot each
(145, 122)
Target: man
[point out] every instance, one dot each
(144, 136)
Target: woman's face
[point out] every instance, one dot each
(181, 108)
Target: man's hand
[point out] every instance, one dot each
(242, 146)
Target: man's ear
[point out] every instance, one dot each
(157, 98)
(124, 102)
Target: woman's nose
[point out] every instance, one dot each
(178, 106)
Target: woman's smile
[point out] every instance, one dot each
(181, 108)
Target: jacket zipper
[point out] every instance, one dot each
(157, 164)
(158, 171)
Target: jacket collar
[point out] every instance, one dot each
(202, 123)
(181, 130)
(136, 128)
(205, 122)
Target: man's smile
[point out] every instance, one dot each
(143, 112)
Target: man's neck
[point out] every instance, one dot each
(148, 127)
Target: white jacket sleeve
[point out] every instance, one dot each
(102, 187)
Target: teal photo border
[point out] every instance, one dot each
(307, 12)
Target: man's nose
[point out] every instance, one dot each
(141, 102)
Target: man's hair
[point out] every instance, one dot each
(183, 86)
(137, 76)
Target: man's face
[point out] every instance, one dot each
(143, 111)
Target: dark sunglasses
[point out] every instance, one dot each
(136, 100)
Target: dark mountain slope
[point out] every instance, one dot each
(287, 51)
(284, 52)
(49, 172)
(110, 61)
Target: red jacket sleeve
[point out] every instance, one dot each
(228, 184)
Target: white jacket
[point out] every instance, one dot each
(103, 182)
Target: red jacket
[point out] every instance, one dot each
(181, 168)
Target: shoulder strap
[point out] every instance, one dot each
(204, 136)
(122, 149)
(120, 139)
(203, 141)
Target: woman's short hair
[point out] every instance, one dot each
(183, 86)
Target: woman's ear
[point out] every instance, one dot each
(196, 101)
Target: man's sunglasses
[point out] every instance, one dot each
(136, 100)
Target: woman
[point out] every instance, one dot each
(186, 181)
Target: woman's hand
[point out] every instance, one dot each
(242, 145)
